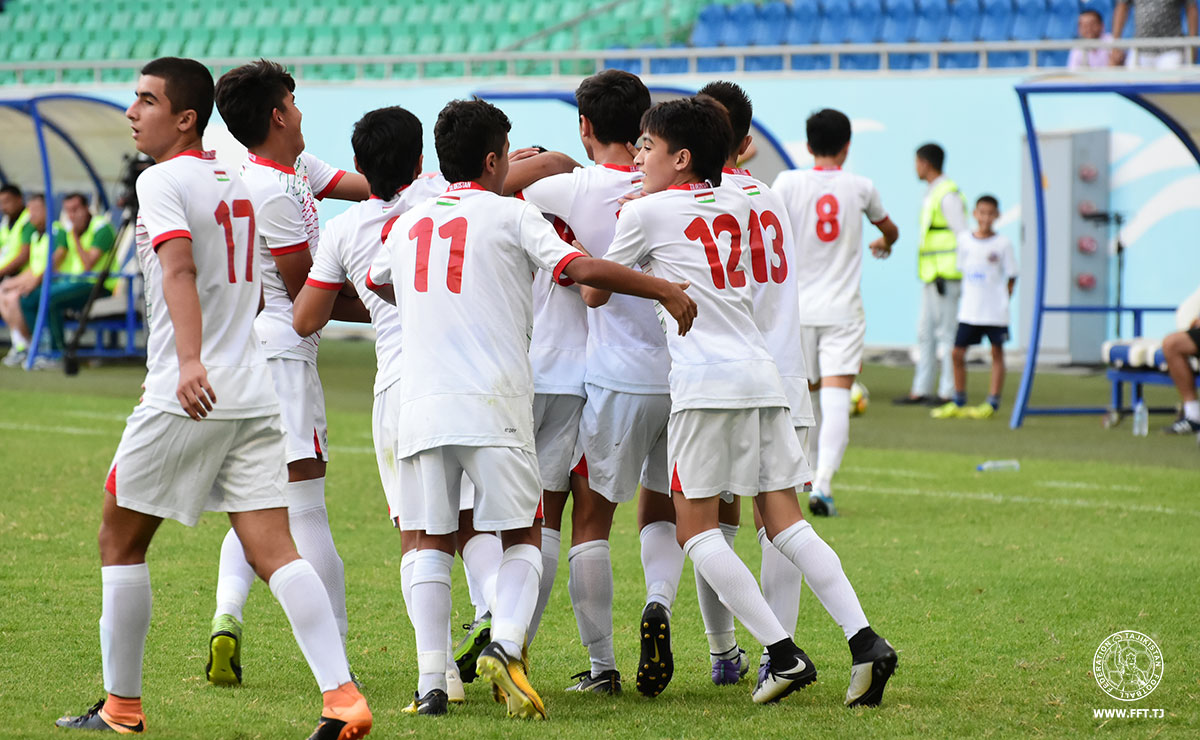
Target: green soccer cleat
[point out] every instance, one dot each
(948, 411)
(467, 651)
(225, 652)
(96, 719)
(982, 411)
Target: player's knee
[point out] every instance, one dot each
(117, 549)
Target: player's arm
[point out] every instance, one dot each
(527, 170)
(293, 268)
(379, 275)
(351, 186)
(195, 395)
(313, 308)
(1012, 283)
(614, 278)
(347, 306)
(881, 246)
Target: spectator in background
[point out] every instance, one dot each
(15, 231)
(943, 214)
(1154, 19)
(1178, 348)
(29, 280)
(1091, 28)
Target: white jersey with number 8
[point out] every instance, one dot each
(826, 209)
(462, 267)
(192, 196)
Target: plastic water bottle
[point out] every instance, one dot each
(998, 466)
(1141, 420)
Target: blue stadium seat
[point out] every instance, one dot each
(835, 22)
(709, 25)
(670, 66)
(899, 21)
(932, 20)
(770, 29)
(627, 64)
(739, 25)
(865, 23)
(1028, 18)
(963, 26)
(803, 28)
(1062, 22)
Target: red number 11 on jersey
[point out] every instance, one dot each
(456, 231)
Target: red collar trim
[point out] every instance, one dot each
(736, 171)
(468, 185)
(271, 163)
(197, 154)
(621, 167)
(692, 186)
(827, 169)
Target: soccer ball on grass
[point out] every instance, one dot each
(860, 398)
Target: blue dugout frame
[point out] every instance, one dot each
(1133, 92)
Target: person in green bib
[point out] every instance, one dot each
(26, 281)
(943, 214)
(15, 231)
(78, 249)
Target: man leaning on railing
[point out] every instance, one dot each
(1153, 19)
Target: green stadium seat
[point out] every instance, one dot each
(401, 43)
(222, 44)
(417, 15)
(365, 15)
(392, 15)
(297, 43)
(247, 42)
(323, 44)
(291, 17)
(119, 48)
(146, 45)
(72, 51)
(316, 16)
(374, 44)
(22, 51)
(341, 16)
(197, 43)
(118, 75)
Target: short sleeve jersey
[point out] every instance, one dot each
(462, 268)
(285, 203)
(193, 196)
(986, 266)
(701, 234)
(626, 350)
(826, 209)
(349, 244)
(773, 276)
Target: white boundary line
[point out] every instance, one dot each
(996, 498)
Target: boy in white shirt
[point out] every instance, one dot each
(462, 266)
(989, 270)
(730, 430)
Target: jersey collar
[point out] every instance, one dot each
(620, 167)
(736, 171)
(271, 163)
(401, 190)
(196, 153)
(466, 185)
(827, 169)
(691, 186)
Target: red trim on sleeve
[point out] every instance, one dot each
(371, 284)
(278, 251)
(157, 241)
(110, 485)
(332, 184)
(562, 265)
(323, 285)
(885, 218)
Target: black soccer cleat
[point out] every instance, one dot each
(608, 682)
(869, 674)
(436, 702)
(656, 665)
(96, 719)
(775, 683)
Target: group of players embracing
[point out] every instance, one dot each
(632, 322)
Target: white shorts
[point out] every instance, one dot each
(385, 427)
(555, 432)
(835, 349)
(173, 467)
(302, 408)
(623, 438)
(738, 451)
(508, 490)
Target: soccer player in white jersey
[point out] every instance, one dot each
(462, 268)
(206, 435)
(826, 206)
(623, 373)
(257, 103)
(731, 430)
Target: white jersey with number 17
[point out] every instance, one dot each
(462, 268)
(826, 209)
(192, 196)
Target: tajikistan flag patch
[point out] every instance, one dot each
(222, 175)
(751, 190)
(705, 196)
(447, 200)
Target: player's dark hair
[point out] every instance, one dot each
(1093, 11)
(614, 101)
(82, 198)
(465, 133)
(828, 132)
(247, 95)
(933, 154)
(35, 196)
(10, 189)
(188, 84)
(738, 107)
(988, 199)
(387, 147)
(699, 125)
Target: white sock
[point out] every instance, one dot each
(781, 583)
(302, 596)
(718, 620)
(590, 585)
(406, 572)
(834, 435)
(310, 529)
(234, 577)
(516, 596)
(551, 544)
(124, 622)
(730, 578)
(662, 562)
(20, 342)
(481, 560)
(1191, 410)
(821, 567)
(431, 620)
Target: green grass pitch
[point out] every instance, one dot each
(996, 589)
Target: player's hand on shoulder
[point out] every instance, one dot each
(680, 305)
(195, 395)
(516, 155)
(631, 196)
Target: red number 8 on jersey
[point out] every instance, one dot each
(828, 228)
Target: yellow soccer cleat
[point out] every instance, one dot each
(949, 410)
(507, 674)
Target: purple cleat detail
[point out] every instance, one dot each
(729, 671)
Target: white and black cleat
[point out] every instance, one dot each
(776, 682)
(869, 675)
